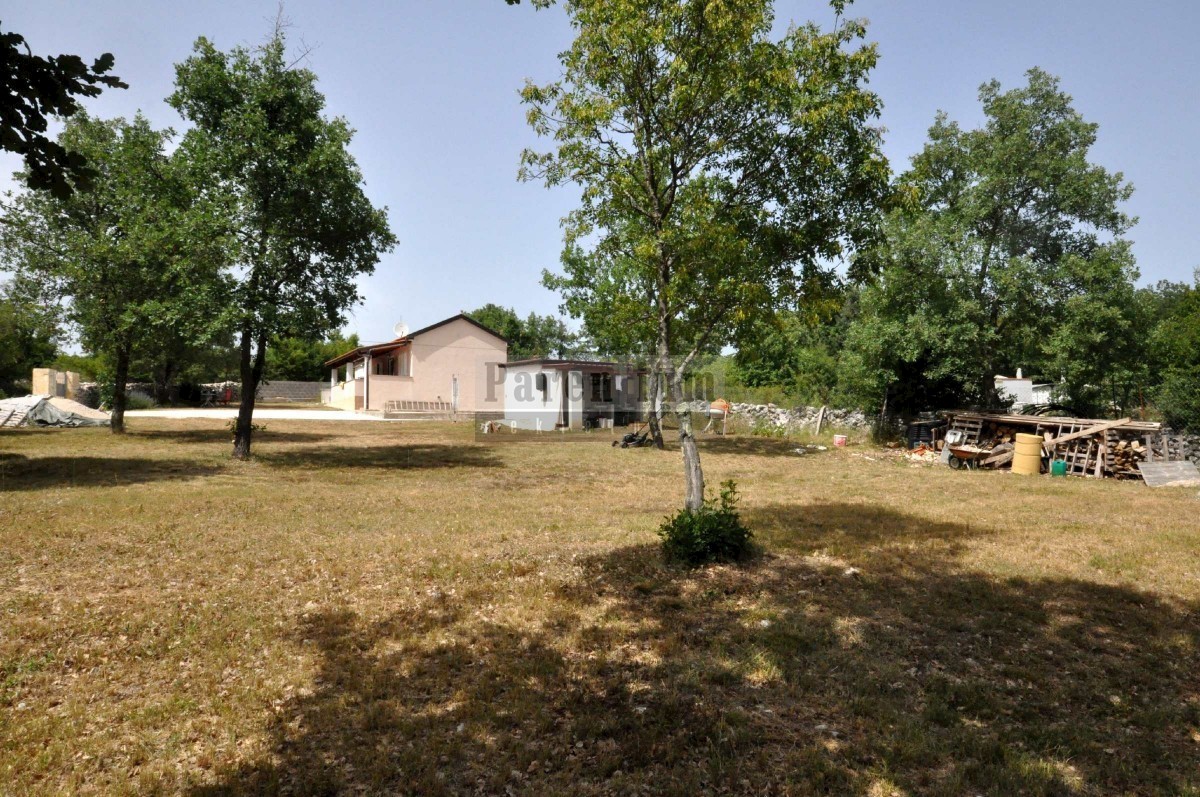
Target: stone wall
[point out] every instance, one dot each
(772, 415)
(1184, 446)
(285, 391)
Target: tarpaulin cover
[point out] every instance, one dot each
(38, 411)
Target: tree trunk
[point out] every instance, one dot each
(120, 395)
(693, 476)
(989, 397)
(881, 424)
(162, 386)
(251, 373)
(653, 418)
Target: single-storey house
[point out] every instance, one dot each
(545, 394)
(452, 366)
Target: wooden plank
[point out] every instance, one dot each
(1001, 455)
(1170, 474)
(1038, 420)
(1091, 430)
(997, 460)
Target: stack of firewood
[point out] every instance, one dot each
(1127, 454)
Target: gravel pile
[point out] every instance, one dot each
(82, 410)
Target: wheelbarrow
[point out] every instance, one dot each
(964, 457)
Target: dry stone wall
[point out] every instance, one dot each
(1184, 446)
(774, 416)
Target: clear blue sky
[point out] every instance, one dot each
(431, 87)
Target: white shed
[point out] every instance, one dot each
(545, 394)
(1021, 391)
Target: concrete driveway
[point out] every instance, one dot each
(226, 413)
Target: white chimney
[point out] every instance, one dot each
(1019, 374)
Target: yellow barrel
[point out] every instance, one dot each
(1028, 457)
(1029, 444)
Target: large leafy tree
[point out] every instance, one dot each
(718, 164)
(532, 336)
(1009, 253)
(36, 88)
(135, 258)
(304, 228)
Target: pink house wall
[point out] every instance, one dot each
(458, 348)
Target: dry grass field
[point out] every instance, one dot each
(397, 609)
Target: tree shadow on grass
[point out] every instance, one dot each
(793, 674)
(26, 431)
(226, 437)
(387, 457)
(755, 446)
(18, 473)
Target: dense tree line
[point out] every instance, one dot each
(1004, 249)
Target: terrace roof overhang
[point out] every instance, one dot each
(372, 351)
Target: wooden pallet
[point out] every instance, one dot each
(13, 417)
(971, 427)
(405, 405)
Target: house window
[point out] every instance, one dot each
(602, 387)
(385, 366)
(404, 363)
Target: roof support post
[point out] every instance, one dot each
(367, 382)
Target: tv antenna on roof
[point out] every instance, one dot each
(401, 329)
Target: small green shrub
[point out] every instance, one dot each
(713, 533)
(763, 429)
(255, 428)
(135, 400)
